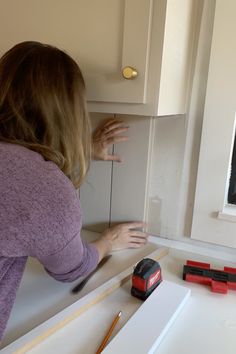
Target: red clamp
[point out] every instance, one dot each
(219, 280)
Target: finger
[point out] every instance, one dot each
(135, 245)
(109, 139)
(133, 225)
(105, 142)
(115, 131)
(116, 126)
(105, 134)
(100, 138)
(116, 139)
(111, 127)
(136, 233)
(115, 158)
(110, 122)
(104, 126)
(138, 240)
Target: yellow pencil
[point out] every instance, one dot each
(108, 335)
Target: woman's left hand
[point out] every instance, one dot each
(105, 135)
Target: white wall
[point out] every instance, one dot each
(177, 145)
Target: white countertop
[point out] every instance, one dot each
(207, 323)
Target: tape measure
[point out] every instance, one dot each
(146, 277)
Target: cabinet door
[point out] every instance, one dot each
(130, 179)
(158, 40)
(214, 220)
(95, 192)
(103, 35)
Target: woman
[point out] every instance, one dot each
(45, 149)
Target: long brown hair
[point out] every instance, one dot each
(43, 106)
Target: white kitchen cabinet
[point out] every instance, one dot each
(214, 219)
(152, 36)
(157, 41)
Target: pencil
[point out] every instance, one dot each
(109, 332)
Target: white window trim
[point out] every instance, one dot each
(228, 213)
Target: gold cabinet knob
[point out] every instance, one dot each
(129, 73)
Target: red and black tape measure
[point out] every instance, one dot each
(146, 277)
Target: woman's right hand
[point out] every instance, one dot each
(126, 235)
(120, 237)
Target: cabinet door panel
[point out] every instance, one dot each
(102, 35)
(95, 192)
(130, 178)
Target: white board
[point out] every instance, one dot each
(157, 313)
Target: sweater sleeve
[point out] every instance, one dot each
(55, 231)
(75, 260)
(58, 245)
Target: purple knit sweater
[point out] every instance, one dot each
(40, 216)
